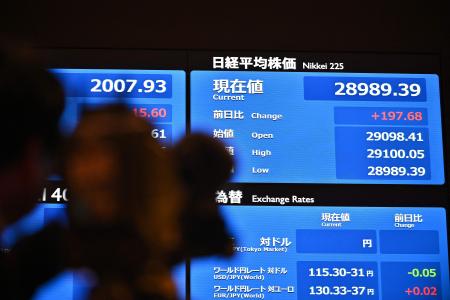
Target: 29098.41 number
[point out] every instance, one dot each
(393, 136)
(396, 171)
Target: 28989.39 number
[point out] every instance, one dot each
(396, 171)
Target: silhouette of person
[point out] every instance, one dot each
(204, 166)
(125, 206)
(137, 209)
(32, 102)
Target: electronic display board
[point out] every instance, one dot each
(339, 187)
(330, 198)
(156, 95)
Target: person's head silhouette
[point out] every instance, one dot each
(32, 102)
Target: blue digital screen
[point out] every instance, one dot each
(343, 128)
(156, 95)
(328, 253)
(290, 127)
